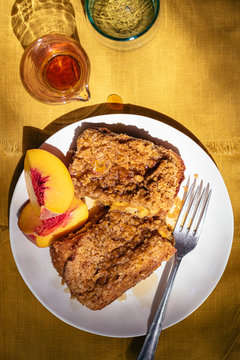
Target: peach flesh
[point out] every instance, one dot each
(48, 182)
(43, 232)
(38, 183)
(49, 225)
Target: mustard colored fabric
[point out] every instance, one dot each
(188, 74)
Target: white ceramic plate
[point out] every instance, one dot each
(198, 274)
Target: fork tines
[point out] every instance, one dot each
(194, 209)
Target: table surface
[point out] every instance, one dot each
(188, 76)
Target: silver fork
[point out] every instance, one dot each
(186, 234)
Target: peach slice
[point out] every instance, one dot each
(49, 183)
(43, 231)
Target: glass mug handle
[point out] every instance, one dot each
(82, 95)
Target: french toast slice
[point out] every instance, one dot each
(112, 256)
(114, 167)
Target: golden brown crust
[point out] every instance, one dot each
(116, 167)
(60, 251)
(119, 252)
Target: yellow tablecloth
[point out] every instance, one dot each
(190, 73)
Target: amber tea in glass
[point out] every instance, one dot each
(55, 69)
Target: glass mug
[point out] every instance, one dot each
(55, 69)
(123, 24)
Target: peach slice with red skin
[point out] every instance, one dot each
(43, 231)
(48, 182)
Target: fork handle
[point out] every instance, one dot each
(151, 340)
